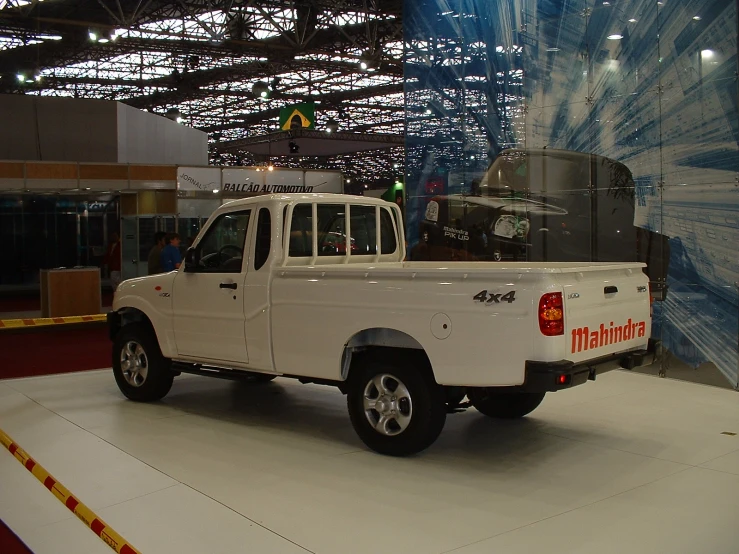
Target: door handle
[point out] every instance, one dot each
(610, 290)
(231, 286)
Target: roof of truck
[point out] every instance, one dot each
(307, 197)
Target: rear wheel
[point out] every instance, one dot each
(504, 405)
(141, 371)
(396, 408)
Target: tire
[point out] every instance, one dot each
(141, 371)
(419, 405)
(504, 405)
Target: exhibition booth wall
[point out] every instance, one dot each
(580, 130)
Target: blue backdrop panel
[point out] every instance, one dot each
(633, 104)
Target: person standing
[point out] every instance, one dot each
(170, 257)
(155, 262)
(113, 260)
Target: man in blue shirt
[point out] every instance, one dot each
(170, 256)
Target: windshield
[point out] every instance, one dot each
(528, 174)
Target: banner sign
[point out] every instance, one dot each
(251, 182)
(205, 179)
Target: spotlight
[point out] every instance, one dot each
(21, 78)
(368, 61)
(93, 36)
(332, 126)
(261, 90)
(174, 114)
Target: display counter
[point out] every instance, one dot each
(67, 292)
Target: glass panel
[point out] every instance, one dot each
(331, 230)
(387, 233)
(129, 247)
(301, 232)
(222, 248)
(364, 230)
(264, 238)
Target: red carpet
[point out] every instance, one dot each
(54, 350)
(32, 302)
(9, 543)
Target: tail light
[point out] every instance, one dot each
(551, 315)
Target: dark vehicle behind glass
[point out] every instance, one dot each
(544, 205)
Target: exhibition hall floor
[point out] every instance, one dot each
(630, 463)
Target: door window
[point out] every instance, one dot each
(222, 248)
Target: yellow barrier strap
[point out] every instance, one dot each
(83, 513)
(46, 321)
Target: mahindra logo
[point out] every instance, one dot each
(585, 339)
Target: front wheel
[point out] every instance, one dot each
(396, 409)
(504, 405)
(141, 371)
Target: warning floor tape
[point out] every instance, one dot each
(46, 321)
(87, 516)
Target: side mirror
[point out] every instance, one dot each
(191, 260)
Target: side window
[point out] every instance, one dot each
(222, 247)
(264, 238)
(363, 230)
(301, 229)
(387, 233)
(331, 230)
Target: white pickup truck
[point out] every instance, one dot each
(314, 287)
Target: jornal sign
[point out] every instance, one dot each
(205, 179)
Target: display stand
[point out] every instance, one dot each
(69, 292)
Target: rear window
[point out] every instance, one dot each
(332, 231)
(301, 229)
(387, 230)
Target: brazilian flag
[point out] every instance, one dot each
(298, 116)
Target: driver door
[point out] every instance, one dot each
(208, 302)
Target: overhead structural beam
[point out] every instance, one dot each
(76, 47)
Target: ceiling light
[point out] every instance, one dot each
(552, 49)
(615, 36)
(707, 54)
(103, 40)
(697, 18)
(363, 65)
(21, 78)
(632, 20)
(93, 36)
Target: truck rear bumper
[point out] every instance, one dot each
(554, 376)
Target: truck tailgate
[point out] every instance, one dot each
(607, 311)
